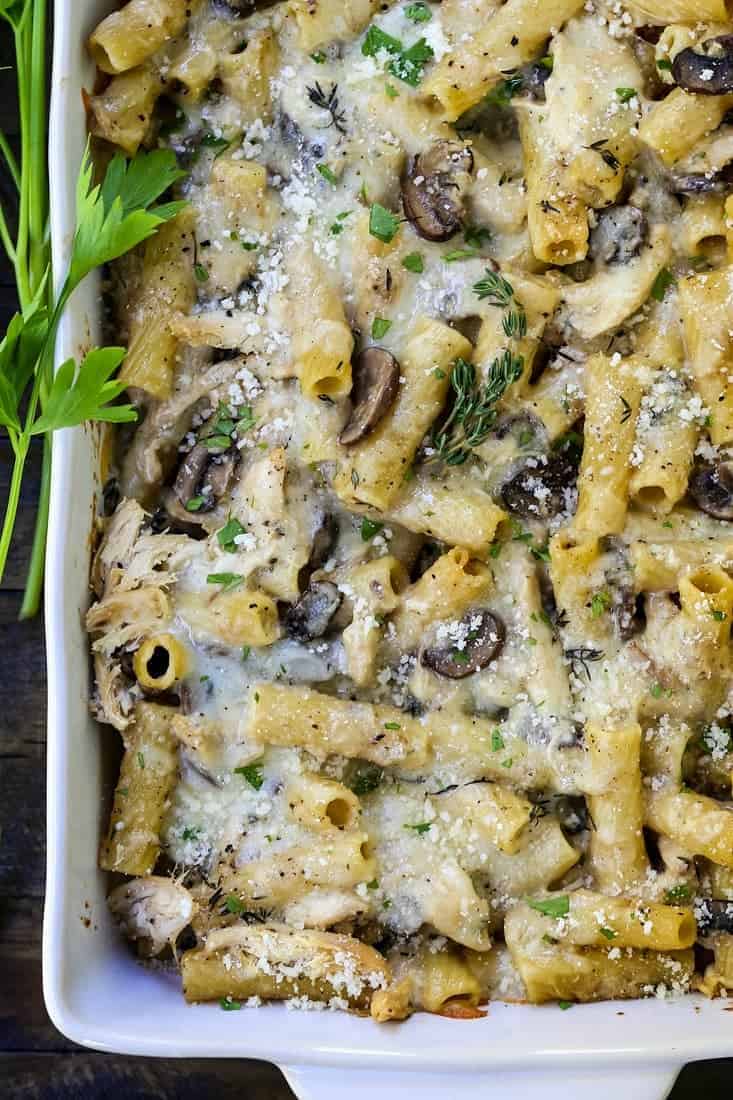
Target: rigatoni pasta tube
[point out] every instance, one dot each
(128, 37)
(613, 397)
(323, 22)
(557, 219)
(121, 113)
(147, 775)
(675, 124)
(450, 510)
(705, 302)
(594, 920)
(684, 11)
(244, 617)
(514, 34)
(494, 813)
(337, 860)
(321, 803)
(373, 470)
(444, 591)
(282, 715)
(322, 346)
(617, 851)
(159, 662)
(558, 971)
(166, 287)
(696, 822)
(438, 977)
(374, 587)
(317, 965)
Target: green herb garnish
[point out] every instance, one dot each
(474, 412)
(551, 907)
(327, 174)
(380, 327)
(227, 536)
(414, 262)
(370, 528)
(663, 281)
(421, 828)
(383, 224)
(253, 773)
(226, 580)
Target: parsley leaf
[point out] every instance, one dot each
(421, 828)
(419, 12)
(327, 174)
(383, 224)
(661, 284)
(497, 741)
(226, 580)
(369, 528)
(414, 262)
(253, 773)
(551, 907)
(83, 394)
(380, 326)
(228, 534)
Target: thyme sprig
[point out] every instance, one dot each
(474, 409)
(328, 101)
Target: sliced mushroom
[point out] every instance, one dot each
(709, 72)
(714, 915)
(309, 618)
(542, 488)
(483, 642)
(711, 487)
(206, 474)
(619, 234)
(152, 911)
(432, 192)
(323, 542)
(376, 382)
(534, 77)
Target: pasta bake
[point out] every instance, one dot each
(413, 592)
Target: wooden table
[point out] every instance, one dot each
(35, 1060)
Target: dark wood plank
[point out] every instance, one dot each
(85, 1076)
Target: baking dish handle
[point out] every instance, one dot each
(602, 1082)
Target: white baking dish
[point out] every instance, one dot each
(95, 992)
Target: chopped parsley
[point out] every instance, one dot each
(392, 726)
(191, 833)
(370, 528)
(418, 13)
(193, 504)
(327, 174)
(226, 580)
(661, 284)
(421, 828)
(676, 894)
(218, 144)
(253, 773)
(246, 650)
(608, 933)
(414, 262)
(497, 741)
(565, 1005)
(656, 690)
(719, 616)
(373, 885)
(365, 780)
(391, 91)
(503, 93)
(458, 254)
(406, 64)
(664, 65)
(228, 534)
(599, 603)
(551, 907)
(507, 763)
(319, 57)
(383, 224)
(626, 94)
(233, 904)
(201, 273)
(229, 1005)
(380, 326)
(476, 235)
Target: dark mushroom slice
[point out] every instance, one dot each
(432, 191)
(711, 487)
(205, 474)
(534, 77)
(626, 608)
(714, 915)
(542, 487)
(618, 235)
(310, 617)
(376, 382)
(484, 640)
(708, 71)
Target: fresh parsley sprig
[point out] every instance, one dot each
(112, 217)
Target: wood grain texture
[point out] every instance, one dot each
(36, 1062)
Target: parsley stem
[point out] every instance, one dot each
(10, 160)
(36, 568)
(11, 508)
